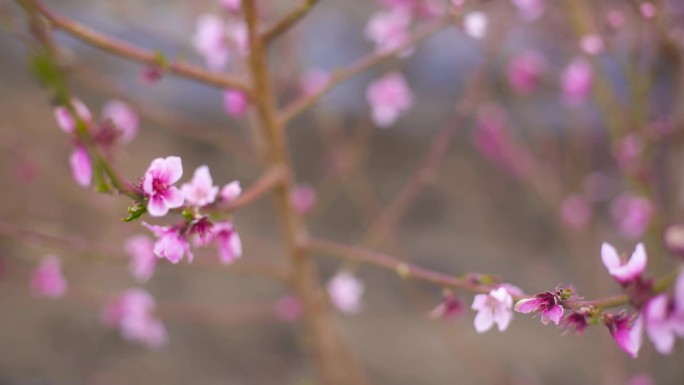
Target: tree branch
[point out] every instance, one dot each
(289, 21)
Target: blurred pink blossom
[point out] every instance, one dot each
(303, 198)
(530, 10)
(627, 334)
(450, 307)
(345, 291)
(81, 167)
(575, 211)
(547, 304)
(577, 79)
(201, 190)
(624, 271)
(210, 40)
(661, 323)
(66, 121)
(230, 191)
(632, 214)
(47, 279)
(628, 151)
(124, 118)
(576, 321)
(674, 239)
(132, 313)
(231, 5)
(648, 10)
(158, 185)
(615, 18)
(143, 261)
(389, 29)
(493, 141)
(170, 244)
(475, 24)
(493, 308)
(641, 379)
(591, 44)
(389, 97)
(235, 103)
(289, 308)
(228, 240)
(525, 71)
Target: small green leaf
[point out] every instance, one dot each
(135, 212)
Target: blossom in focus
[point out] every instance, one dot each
(123, 117)
(65, 120)
(624, 271)
(389, 97)
(47, 279)
(451, 306)
(475, 25)
(627, 334)
(345, 291)
(132, 313)
(389, 29)
(201, 190)
(170, 244)
(547, 304)
(525, 71)
(143, 261)
(81, 167)
(235, 103)
(228, 241)
(575, 211)
(530, 10)
(158, 185)
(303, 198)
(231, 191)
(577, 79)
(493, 308)
(632, 214)
(289, 308)
(211, 42)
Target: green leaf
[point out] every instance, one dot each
(135, 212)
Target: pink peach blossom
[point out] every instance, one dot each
(201, 190)
(389, 97)
(235, 103)
(158, 185)
(530, 10)
(591, 44)
(210, 40)
(547, 304)
(647, 9)
(575, 211)
(124, 118)
(231, 5)
(228, 240)
(632, 214)
(627, 334)
(170, 243)
(389, 29)
(475, 24)
(345, 291)
(674, 239)
(132, 313)
(81, 167)
(624, 272)
(577, 79)
(493, 308)
(303, 198)
(450, 307)
(660, 323)
(231, 191)
(143, 261)
(525, 71)
(47, 279)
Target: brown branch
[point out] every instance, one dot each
(127, 50)
(265, 184)
(340, 75)
(289, 21)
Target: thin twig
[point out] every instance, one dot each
(340, 75)
(127, 50)
(289, 21)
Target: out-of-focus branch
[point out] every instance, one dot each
(135, 53)
(266, 183)
(340, 75)
(289, 21)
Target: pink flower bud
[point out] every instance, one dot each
(577, 80)
(575, 211)
(345, 291)
(389, 97)
(303, 198)
(66, 121)
(81, 167)
(235, 103)
(231, 191)
(47, 279)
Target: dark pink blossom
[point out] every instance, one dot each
(132, 313)
(235, 103)
(303, 198)
(627, 334)
(632, 214)
(228, 241)
(547, 304)
(201, 190)
(158, 185)
(450, 307)
(577, 320)
(47, 279)
(624, 271)
(170, 243)
(143, 261)
(525, 71)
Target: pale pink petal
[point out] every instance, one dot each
(231, 191)
(171, 169)
(528, 305)
(658, 326)
(157, 207)
(475, 24)
(610, 256)
(47, 279)
(503, 319)
(210, 41)
(231, 5)
(479, 302)
(124, 118)
(484, 320)
(345, 292)
(143, 260)
(81, 168)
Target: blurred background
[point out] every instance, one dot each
(533, 209)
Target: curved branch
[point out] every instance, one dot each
(289, 21)
(126, 50)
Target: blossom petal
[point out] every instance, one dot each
(528, 305)
(484, 320)
(173, 197)
(171, 169)
(157, 207)
(610, 256)
(81, 168)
